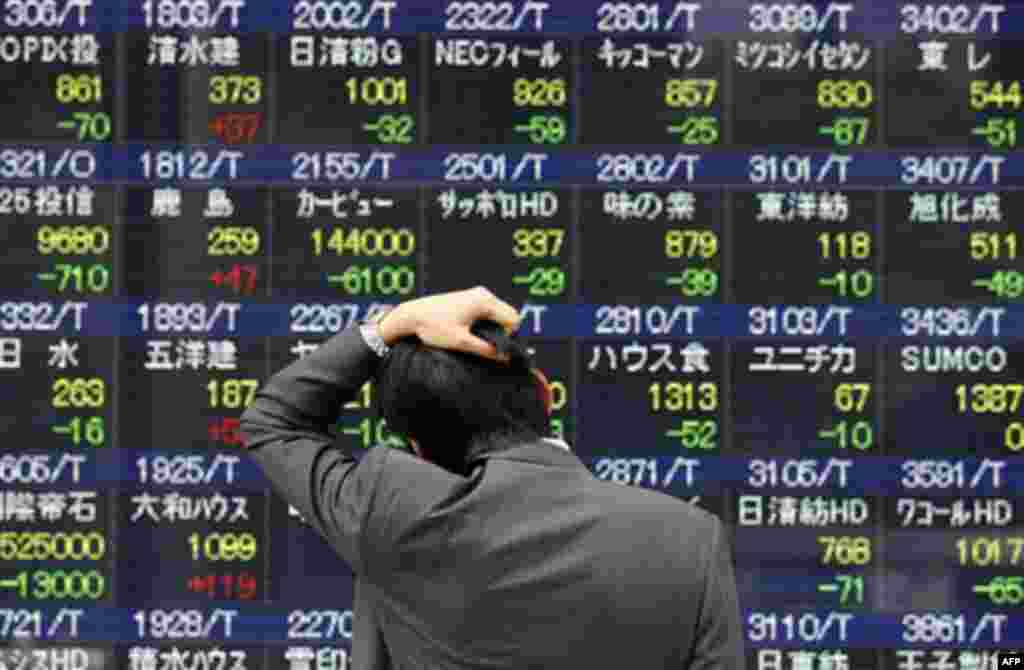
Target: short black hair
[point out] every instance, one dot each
(458, 405)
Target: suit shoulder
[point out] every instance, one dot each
(668, 509)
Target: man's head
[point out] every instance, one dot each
(450, 402)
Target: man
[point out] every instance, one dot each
(491, 546)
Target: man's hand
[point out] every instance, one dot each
(443, 320)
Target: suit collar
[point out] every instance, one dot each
(546, 451)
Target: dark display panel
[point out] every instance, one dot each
(767, 254)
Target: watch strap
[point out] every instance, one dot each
(370, 330)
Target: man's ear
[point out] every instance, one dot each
(544, 388)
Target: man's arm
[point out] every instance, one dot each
(719, 643)
(287, 427)
(286, 430)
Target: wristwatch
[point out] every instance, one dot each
(370, 330)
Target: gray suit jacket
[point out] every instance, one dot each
(528, 562)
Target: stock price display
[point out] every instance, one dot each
(766, 253)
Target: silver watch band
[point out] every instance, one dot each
(371, 335)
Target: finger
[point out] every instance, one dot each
(471, 344)
(501, 312)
